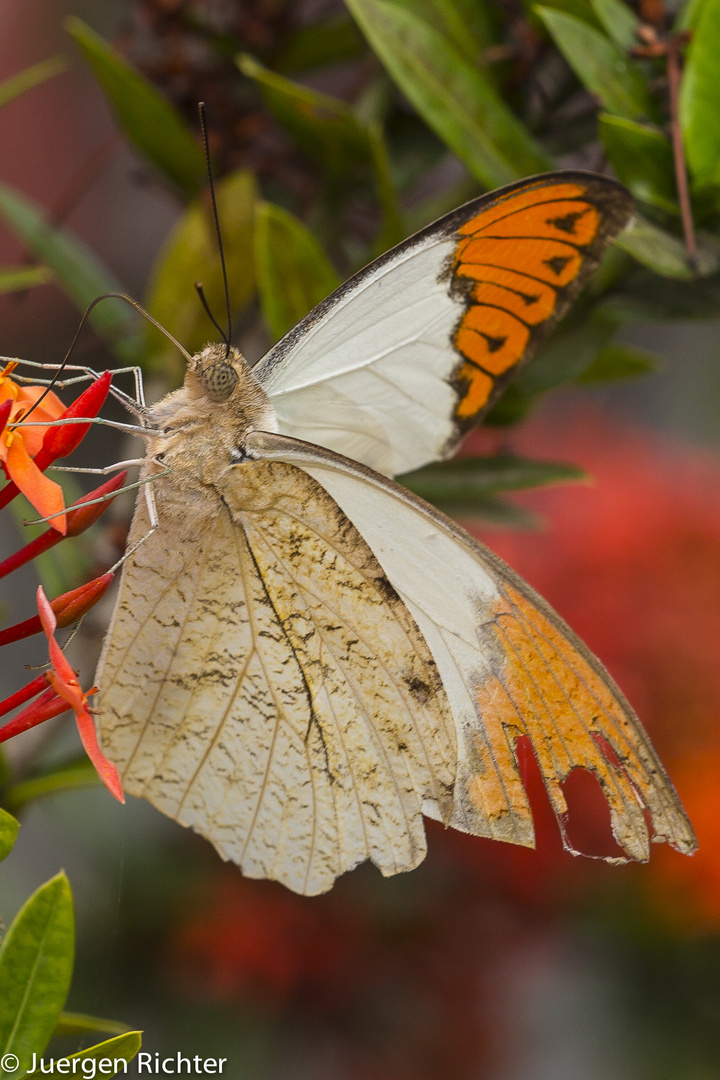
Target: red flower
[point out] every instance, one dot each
(63, 680)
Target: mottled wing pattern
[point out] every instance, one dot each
(263, 684)
(509, 665)
(394, 367)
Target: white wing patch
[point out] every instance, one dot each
(372, 381)
(265, 686)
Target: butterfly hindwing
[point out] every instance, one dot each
(264, 685)
(510, 667)
(402, 359)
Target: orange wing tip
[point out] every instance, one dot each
(543, 688)
(538, 193)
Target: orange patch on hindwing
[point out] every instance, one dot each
(545, 689)
(518, 264)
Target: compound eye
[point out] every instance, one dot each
(220, 380)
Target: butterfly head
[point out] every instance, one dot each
(201, 427)
(220, 383)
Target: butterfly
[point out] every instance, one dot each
(306, 659)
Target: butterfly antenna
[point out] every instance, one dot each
(203, 300)
(73, 343)
(206, 147)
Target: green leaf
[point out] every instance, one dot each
(642, 158)
(323, 126)
(393, 228)
(512, 407)
(330, 130)
(599, 65)
(453, 97)
(36, 962)
(487, 510)
(149, 120)
(115, 1054)
(619, 22)
(468, 25)
(190, 254)
(688, 15)
(78, 774)
(294, 273)
(645, 296)
(619, 362)
(580, 9)
(567, 352)
(18, 278)
(329, 42)
(70, 1023)
(33, 76)
(665, 253)
(78, 272)
(463, 480)
(8, 833)
(700, 97)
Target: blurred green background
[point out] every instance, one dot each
(336, 131)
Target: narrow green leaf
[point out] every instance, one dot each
(190, 254)
(329, 129)
(324, 126)
(468, 25)
(688, 15)
(393, 229)
(464, 479)
(619, 22)
(642, 158)
(328, 42)
(18, 278)
(33, 76)
(8, 833)
(78, 774)
(580, 9)
(113, 1053)
(646, 297)
(619, 362)
(453, 97)
(488, 510)
(700, 96)
(78, 272)
(512, 407)
(150, 121)
(599, 65)
(70, 1023)
(294, 273)
(567, 352)
(36, 962)
(665, 253)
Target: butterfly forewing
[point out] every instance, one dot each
(264, 685)
(395, 366)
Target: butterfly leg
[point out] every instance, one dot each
(136, 404)
(145, 482)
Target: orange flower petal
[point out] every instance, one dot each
(104, 768)
(51, 406)
(64, 682)
(45, 495)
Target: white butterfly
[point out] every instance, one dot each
(305, 658)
